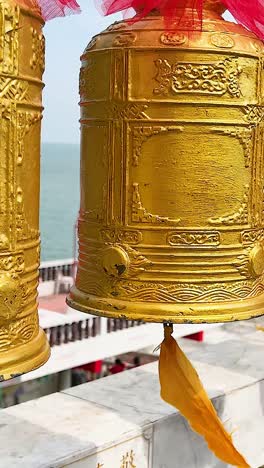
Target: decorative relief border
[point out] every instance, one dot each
(222, 40)
(173, 38)
(13, 89)
(126, 111)
(139, 214)
(140, 135)
(12, 263)
(194, 238)
(254, 114)
(127, 236)
(18, 332)
(143, 133)
(184, 293)
(250, 236)
(214, 78)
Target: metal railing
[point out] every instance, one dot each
(74, 331)
(120, 324)
(84, 329)
(48, 270)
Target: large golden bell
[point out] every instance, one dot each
(171, 218)
(23, 345)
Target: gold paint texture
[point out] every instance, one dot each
(23, 345)
(171, 224)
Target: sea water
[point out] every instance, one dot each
(59, 200)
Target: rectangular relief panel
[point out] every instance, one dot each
(7, 180)
(170, 77)
(96, 65)
(189, 175)
(94, 171)
(27, 162)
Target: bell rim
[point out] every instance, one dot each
(25, 358)
(163, 312)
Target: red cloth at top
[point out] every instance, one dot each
(52, 8)
(250, 13)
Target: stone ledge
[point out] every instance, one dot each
(121, 419)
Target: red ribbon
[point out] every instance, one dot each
(249, 13)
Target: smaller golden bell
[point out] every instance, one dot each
(23, 345)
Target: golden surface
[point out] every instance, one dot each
(23, 345)
(171, 222)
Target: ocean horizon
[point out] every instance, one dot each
(59, 199)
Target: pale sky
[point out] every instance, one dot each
(66, 39)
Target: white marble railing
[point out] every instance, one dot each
(121, 422)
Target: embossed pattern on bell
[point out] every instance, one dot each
(172, 173)
(23, 345)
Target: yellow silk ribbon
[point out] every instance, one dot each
(182, 388)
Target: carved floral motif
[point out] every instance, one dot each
(251, 236)
(194, 238)
(222, 40)
(216, 78)
(121, 235)
(173, 39)
(12, 263)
